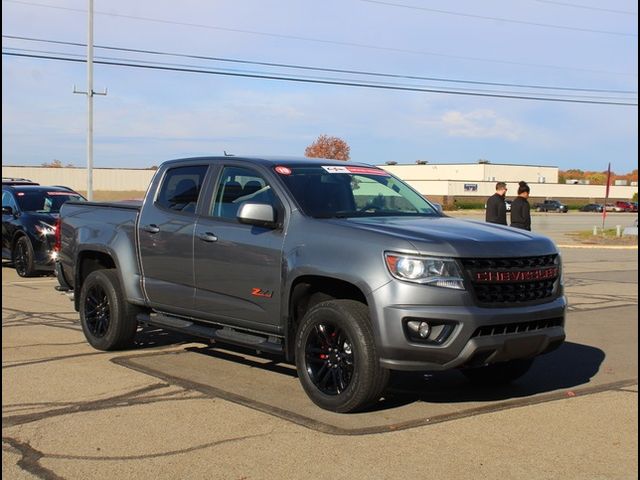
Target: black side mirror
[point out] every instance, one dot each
(259, 214)
(7, 211)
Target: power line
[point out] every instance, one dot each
(320, 69)
(326, 42)
(501, 19)
(208, 69)
(324, 82)
(585, 7)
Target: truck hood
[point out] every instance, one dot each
(457, 238)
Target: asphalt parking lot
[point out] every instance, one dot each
(174, 408)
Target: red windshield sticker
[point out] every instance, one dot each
(283, 170)
(64, 194)
(368, 171)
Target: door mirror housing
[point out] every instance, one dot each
(259, 214)
(7, 211)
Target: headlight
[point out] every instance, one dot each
(45, 229)
(438, 272)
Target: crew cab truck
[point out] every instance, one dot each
(339, 267)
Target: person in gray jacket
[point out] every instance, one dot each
(520, 209)
(496, 207)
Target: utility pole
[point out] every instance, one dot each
(89, 93)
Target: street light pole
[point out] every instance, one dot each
(89, 93)
(90, 102)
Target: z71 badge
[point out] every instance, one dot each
(258, 292)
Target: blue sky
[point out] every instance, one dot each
(150, 116)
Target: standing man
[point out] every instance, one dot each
(520, 209)
(496, 207)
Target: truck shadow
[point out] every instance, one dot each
(570, 366)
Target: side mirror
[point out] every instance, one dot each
(7, 211)
(259, 214)
(438, 206)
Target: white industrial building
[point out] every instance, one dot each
(446, 182)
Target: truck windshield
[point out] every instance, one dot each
(341, 192)
(42, 201)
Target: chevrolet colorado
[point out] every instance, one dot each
(340, 267)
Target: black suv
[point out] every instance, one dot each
(29, 214)
(551, 206)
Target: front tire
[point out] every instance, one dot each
(24, 258)
(108, 320)
(501, 373)
(336, 357)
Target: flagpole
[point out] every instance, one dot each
(606, 197)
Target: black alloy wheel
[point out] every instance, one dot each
(23, 257)
(336, 356)
(109, 321)
(97, 312)
(329, 358)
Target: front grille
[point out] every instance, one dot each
(521, 327)
(511, 292)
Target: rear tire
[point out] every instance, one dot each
(336, 357)
(24, 258)
(499, 373)
(108, 320)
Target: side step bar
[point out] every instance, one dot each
(220, 334)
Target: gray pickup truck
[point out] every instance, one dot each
(339, 267)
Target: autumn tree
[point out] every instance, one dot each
(53, 164)
(56, 164)
(328, 147)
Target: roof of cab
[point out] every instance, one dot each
(268, 160)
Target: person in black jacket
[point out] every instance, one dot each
(496, 208)
(520, 209)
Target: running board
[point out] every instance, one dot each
(220, 334)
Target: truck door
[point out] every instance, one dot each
(165, 234)
(238, 266)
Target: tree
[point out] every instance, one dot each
(328, 147)
(53, 164)
(57, 164)
(596, 178)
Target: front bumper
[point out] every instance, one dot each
(520, 332)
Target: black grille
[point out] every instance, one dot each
(509, 263)
(508, 328)
(534, 291)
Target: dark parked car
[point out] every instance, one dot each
(551, 206)
(17, 181)
(29, 214)
(592, 207)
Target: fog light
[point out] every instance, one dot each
(423, 329)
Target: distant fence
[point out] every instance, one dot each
(104, 179)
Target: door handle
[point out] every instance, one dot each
(151, 228)
(208, 237)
